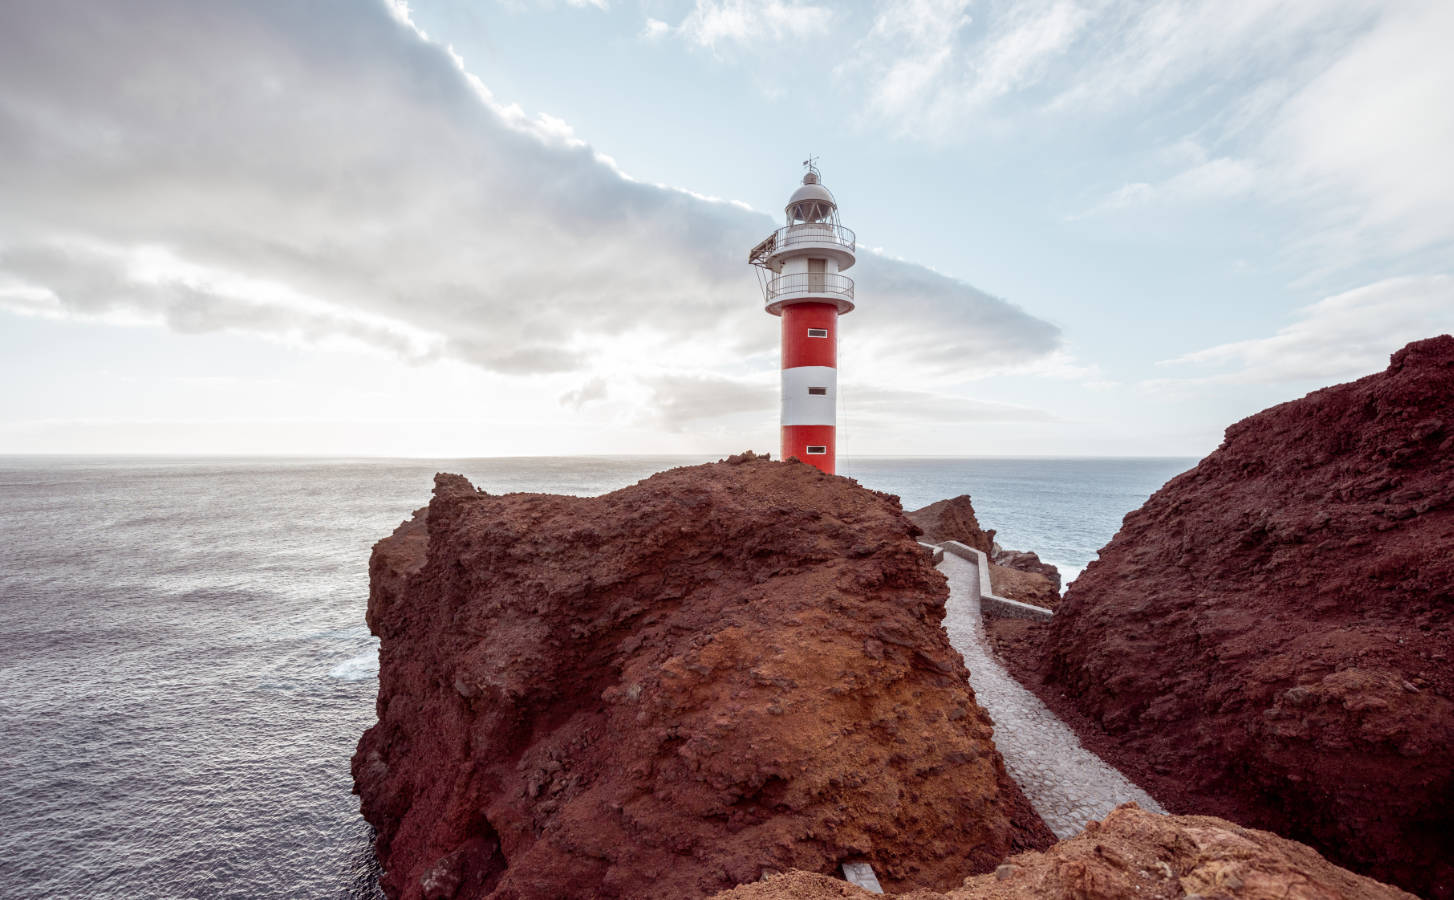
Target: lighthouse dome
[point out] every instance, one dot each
(812, 202)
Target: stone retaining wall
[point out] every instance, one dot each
(993, 604)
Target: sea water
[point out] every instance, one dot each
(185, 670)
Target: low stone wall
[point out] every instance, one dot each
(993, 604)
(935, 553)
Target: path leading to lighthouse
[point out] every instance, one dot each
(1067, 784)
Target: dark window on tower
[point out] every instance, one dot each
(818, 332)
(818, 392)
(817, 450)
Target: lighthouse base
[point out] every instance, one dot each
(812, 444)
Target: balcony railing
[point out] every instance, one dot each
(812, 284)
(815, 233)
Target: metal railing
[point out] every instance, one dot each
(815, 233)
(810, 283)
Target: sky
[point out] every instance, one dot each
(500, 227)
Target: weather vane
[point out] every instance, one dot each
(811, 164)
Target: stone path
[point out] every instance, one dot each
(1067, 784)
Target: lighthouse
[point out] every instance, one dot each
(801, 269)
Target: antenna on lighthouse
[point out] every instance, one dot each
(811, 164)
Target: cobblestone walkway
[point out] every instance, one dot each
(1067, 784)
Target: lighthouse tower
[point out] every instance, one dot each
(800, 266)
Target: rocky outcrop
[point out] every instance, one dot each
(954, 520)
(1026, 587)
(1133, 853)
(1273, 630)
(670, 689)
(1026, 561)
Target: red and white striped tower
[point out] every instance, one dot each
(800, 265)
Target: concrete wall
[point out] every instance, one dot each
(992, 604)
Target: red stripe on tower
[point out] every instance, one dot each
(803, 264)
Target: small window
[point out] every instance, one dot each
(817, 450)
(818, 392)
(818, 332)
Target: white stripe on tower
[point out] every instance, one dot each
(810, 395)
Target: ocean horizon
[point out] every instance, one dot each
(187, 668)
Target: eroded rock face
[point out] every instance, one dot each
(1026, 561)
(665, 691)
(1274, 629)
(1133, 853)
(953, 520)
(1026, 587)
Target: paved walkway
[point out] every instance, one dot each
(1067, 784)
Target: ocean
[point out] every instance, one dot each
(185, 669)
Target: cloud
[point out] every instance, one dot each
(1369, 139)
(680, 400)
(320, 172)
(1206, 182)
(1340, 337)
(928, 71)
(590, 392)
(1330, 113)
(714, 22)
(882, 407)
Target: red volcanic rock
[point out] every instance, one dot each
(1274, 628)
(1017, 578)
(1027, 561)
(1133, 853)
(953, 520)
(670, 689)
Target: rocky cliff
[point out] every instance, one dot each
(669, 690)
(1014, 574)
(1273, 629)
(953, 520)
(1133, 853)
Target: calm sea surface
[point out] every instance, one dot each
(184, 666)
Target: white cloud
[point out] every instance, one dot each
(928, 71)
(1340, 337)
(323, 172)
(1206, 182)
(1370, 138)
(715, 22)
(655, 29)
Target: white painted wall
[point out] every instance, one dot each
(802, 408)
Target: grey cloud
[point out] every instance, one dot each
(590, 392)
(681, 399)
(327, 148)
(884, 406)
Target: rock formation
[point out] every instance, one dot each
(1021, 577)
(670, 689)
(1132, 853)
(1026, 587)
(953, 520)
(1026, 561)
(1273, 629)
